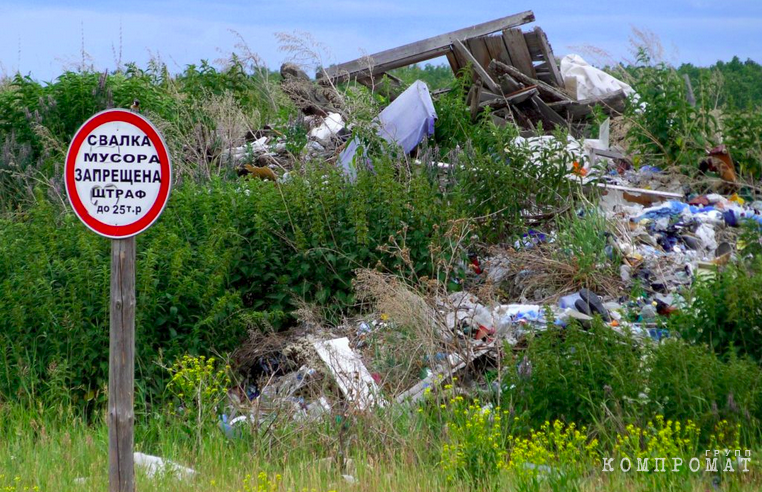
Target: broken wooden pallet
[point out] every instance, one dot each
(611, 104)
(419, 51)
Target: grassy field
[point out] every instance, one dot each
(397, 451)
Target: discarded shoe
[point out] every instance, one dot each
(582, 307)
(594, 304)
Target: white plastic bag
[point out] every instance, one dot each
(590, 82)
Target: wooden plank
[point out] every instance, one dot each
(453, 363)
(548, 114)
(385, 84)
(121, 368)
(350, 373)
(639, 195)
(461, 50)
(497, 49)
(478, 48)
(550, 58)
(460, 58)
(612, 103)
(488, 95)
(509, 84)
(546, 78)
(610, 154)
(546, 91)
(498, 120)
(517, 98)
(522, 121)
(453, 61)
(379, 80)
(517, 47)
(533, 45)
(474, 96)
(422, 50)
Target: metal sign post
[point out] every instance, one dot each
(118, 177)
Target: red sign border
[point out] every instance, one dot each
(127, 230)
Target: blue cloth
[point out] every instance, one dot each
(667, 210)
(406, 121)
(731, 218)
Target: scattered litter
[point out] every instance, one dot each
(350, 373)
(452, 364)
(405, 122)
(328, 129)
(664, 234)
(585, 81)
(349, 479)
(153, 465)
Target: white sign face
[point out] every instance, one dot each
(118, 173)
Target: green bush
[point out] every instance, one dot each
(307, 236)
(54, 290)
(665, 126)
(689, 382)
(743, 136)
(583, 241)
(600, 378)
(574, 375)
(225, 257)
(492, 178)
(498, 186)
(725, 312)
(37, 121)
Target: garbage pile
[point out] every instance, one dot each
(664, 246)
(515, 77)
(666, 234)
(407, 121)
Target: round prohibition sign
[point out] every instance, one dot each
(118, 173)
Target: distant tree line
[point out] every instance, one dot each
(741, 82)
(733, 85)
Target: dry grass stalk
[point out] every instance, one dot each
(392, 297)
(413, 336)
(539, 275)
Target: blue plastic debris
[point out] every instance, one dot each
(658, 334)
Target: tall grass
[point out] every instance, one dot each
(378, 452)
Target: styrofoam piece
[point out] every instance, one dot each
(350, 373)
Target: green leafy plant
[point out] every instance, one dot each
(743, 136)
(726, 311)
(574, 375)
(198, 386)
(475, 450)
(665, 126)
(496, 180)
(583, 240)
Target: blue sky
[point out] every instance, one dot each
(44, 37)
